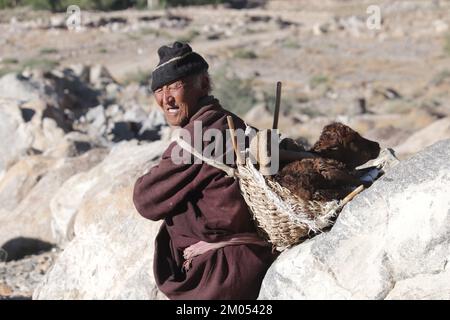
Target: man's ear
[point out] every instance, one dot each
(205, 83)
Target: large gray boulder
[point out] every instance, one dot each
(20, 179)
(27, 196)
(110, 254)
(390, 242)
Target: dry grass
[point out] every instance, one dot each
(447, 44)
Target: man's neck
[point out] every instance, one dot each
(206, 101)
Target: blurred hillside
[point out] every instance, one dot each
(387, 83)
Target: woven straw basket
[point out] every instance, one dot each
(281, 217)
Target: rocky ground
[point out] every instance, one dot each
(18, 279)
(75, 105)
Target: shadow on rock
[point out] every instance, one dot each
(18, 248)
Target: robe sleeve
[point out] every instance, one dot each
(166, 186)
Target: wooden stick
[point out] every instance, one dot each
(233, 139)
(277, 106)
(351, 195)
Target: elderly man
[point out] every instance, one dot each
(207, 247)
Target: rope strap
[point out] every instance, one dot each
(202, 247)
(212, 162)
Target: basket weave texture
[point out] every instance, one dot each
(281, 217)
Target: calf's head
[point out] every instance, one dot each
(344, 144)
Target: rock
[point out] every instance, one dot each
(135, 94)
(300, 117)
(172, 21)
(73, 144)
(31, 218)
(156, 119)
(111, 253)
(20, 179)
(440, 26)
(123, 130)
(320, 28)
(434, 132)
(52, 135)
(152, 126)
(282, 24)
(354, 25)
(130, 91)
(114, 112)
(27, 129)
(65, 95)
(134, 123)
(5, 291)
(15, 139)
(422, 287)
(136, 114)
(96, 122)
(69, 198)
(57, 22)
(54, 103)
(99, 76)
(112, 90)
(81, 71)
(388, 93)
(35, 112)
(215, 35)
(386, 243)
(67, 91)
(15, 87)
(45, 124)
(358, 107)
(18, 279)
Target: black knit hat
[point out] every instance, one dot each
(176, 62)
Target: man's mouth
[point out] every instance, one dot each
(172, 110)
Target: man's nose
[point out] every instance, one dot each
(167, 97)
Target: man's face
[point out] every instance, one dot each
(179, 100)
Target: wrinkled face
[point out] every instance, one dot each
(179, 99)
(342, 143)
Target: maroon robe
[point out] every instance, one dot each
(200, 203)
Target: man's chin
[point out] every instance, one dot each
(175, 122)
